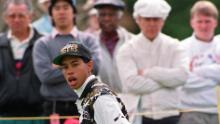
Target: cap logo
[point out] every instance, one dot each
(69, 48)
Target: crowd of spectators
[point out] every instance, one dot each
(153, 73)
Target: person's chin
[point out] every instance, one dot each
(75, 87)
(73, 84)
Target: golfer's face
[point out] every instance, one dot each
(76, 71)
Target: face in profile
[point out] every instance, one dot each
(76, 71)
(150, 27)
(203, 26)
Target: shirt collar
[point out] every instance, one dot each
(81, 89)
(31, 34)
(73, 32)
(200, 41)
(156, 39)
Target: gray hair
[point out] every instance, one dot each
(28, 3)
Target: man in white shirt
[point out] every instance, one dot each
(97, 104)
(198, 94)
(151, 65)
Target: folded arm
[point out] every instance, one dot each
(132, 81)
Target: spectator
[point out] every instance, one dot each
(93, 24)
(43, 24)
(111, 37)
(97, 103)
(19, 85)
(60, 98)
(202, 49)
(88, 4)
(151, 65)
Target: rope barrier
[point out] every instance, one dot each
(137, 114)
(170, 111)
(35, 118)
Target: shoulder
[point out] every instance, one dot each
(1, 34)
(168, 39)
(130, 45)
(105, 101)
(169, 42)
(216, 45)
(45, 39)
(101, 88)
(3, 39)
(37, 34)
(42, 43)
(172, 44)
(98, 89)
(186, 42)
(122, 31)
(88, 39)
(86, 36)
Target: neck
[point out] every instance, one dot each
(109, 34)
(207, 40)
(64, 29)
(151, 38)
(21, 35)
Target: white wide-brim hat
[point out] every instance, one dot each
(151, 9)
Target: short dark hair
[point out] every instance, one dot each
(52, 4)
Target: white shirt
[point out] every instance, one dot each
(19, 47)
(199, 91)
(194, 46)
(106, 108)
(163, 63)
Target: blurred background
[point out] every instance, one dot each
(177, 24)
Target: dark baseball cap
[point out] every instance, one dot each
(74, 49)
(53, 2)
(118, 4)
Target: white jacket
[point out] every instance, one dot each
(199, 92)
(108, 72)
(163, 62)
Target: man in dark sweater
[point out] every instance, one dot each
(60, 98)
(19, 85)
